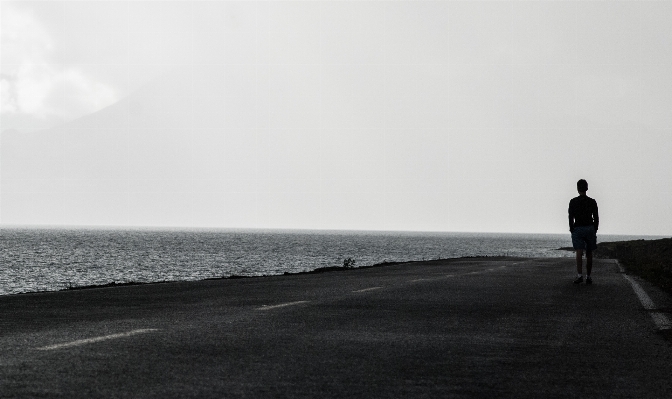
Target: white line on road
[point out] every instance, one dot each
(419, 279)
(282, 305)
(368, 289)
(96, 339)
(660, 319)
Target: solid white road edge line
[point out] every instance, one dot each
(660, 319)
(282, 305)
(96, 339)
(368, 289)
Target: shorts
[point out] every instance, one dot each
(584, 237)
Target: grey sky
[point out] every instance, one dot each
(409, 115)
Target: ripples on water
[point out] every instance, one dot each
(53, 259)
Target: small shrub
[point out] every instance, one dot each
(348, 263)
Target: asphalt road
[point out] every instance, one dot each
(459, 328)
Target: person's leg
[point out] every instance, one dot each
(591, 245)
(579, 261)
(579, 244)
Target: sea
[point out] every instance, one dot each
(51, 259)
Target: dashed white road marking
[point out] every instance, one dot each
(96, 339)
(660, 319)
(368, 289)
(282, 305)
(460, 274)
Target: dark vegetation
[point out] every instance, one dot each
(112, 284)
(650, 259)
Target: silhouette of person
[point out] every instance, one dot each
(583, 223)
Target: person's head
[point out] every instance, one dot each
(582, 186)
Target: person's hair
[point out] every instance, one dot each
(582, 186)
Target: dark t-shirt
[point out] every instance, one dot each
(583, 212)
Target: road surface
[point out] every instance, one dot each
(494, 327)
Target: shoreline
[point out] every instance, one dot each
(48, 261)
(327, 269)
(648, 259)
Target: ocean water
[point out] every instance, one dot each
(50, 259)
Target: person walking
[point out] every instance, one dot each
(583, 224)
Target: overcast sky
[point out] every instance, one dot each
(402, 115)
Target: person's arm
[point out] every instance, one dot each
(596, 218)
(571, 218)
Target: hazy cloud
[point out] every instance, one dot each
(33, 84)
